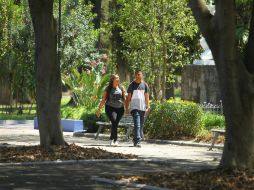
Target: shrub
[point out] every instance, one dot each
(90, 120)
(173, 119)
(69, 112)
(211, 120)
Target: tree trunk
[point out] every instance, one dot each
(104, 37)
(164, 66)
(123, 70)
(156, 87)
(170, 91)
(48, 77)
(237, 91)
(164, 53)
(122, 66)
(236, 81)
(121, 62)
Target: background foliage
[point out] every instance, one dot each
(173, 119)
(160, 38)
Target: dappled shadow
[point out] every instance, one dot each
(52, 177)
(78, 176)
(165, 157)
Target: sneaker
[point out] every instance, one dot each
(111, 143)
(137, 144)
(116, 143)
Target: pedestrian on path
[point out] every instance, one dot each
(114, 100)
(138, 100)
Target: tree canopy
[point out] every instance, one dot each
(158, 36)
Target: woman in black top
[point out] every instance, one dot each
(114, 100)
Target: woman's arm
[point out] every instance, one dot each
(124, 96)
(103, 100)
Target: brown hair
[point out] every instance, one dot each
(110, 85)
(112, 78)
(137, 71)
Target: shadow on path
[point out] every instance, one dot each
(78, 176)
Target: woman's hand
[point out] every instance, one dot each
(104, 97)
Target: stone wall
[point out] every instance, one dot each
(200, 84)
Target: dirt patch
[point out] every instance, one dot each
(68, 152)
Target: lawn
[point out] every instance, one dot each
(26, 115)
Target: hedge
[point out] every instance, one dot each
(173, 119)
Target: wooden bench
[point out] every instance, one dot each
(126, 122)
(216, 133)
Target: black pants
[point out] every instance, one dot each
(114, 115)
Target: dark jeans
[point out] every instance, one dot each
(114, 115)
(138, 119)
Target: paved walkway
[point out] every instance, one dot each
(165, 157)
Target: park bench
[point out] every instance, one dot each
(126, 122)
(216, 133)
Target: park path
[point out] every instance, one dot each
(163, 157)
(71, 176)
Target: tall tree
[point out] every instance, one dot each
(48, 77)
(157, 39)
(78, 37)
(118, 48)
(236, 74)
(4, 27)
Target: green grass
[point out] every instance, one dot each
(211, 121)
(26, 115)
(17, 117)
(178, 92)
(27, 109)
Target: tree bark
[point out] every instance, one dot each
(236, 82)
(170, 91)
(122, 65)
(164, 51)
(164, 64)
(48, 77)
(249, 55)
(156, 67)
(121, 62)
